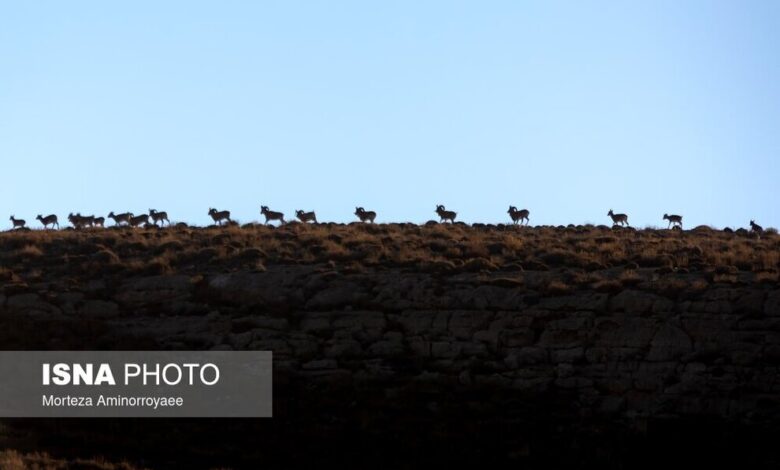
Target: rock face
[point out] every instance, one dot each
(432, 347)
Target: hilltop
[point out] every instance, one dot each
(432, 247)
(441, 343)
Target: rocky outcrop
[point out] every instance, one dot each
(442, 345)
(633, 353)
(381, 352)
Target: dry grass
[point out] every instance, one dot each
(13, 460)
(434, 247)
(549, 260)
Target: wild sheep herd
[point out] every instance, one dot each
(160, 218)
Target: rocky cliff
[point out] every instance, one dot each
(522, 360)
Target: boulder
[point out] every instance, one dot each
(669, 343)
(33, 305)
(154, 289)
(633, 301)
(99, 309)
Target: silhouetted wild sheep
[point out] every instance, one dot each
(48, 220)
(159, 216)
(621, 219)
(138, 220)
(673, 219)
(518, 215)
(271, 215)
(120, 218)
(78, 221)
(445, 215)
(219, 216)
(17, 223)
(87, 219)
(306, 216)
(365, 215)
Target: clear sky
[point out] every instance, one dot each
(565, 108)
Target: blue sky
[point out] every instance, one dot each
(565, 108)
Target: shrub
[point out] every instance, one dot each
(557, 287)
(479, 264)
(610, 286)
